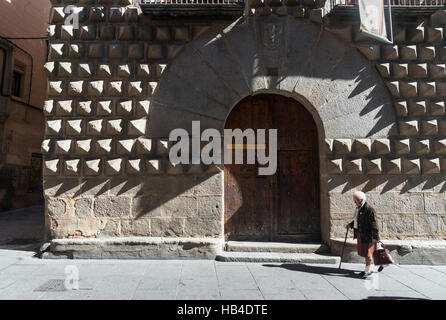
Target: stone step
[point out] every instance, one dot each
(278, 247)
(228, 256)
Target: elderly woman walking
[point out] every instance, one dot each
(365, 226)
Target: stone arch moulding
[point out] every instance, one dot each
(278, 55)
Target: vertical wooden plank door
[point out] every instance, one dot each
(284, 206)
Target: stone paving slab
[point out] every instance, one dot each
(21, 275)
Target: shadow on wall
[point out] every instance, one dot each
(368, 183)
(220, 68)
(167, 200)
(215, 72)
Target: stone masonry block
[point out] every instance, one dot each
(410, 203)
(210, 206)
(63, 146)
(401, 146)
(393, 166)
(420, 146)
(415, 34)
(142, 108)
(384, 202)
(362, 146)
(383, 69)
(144, 145)
(373, 166)
(74, 127)
(397, 224)
(408, 128)
(436, 108)
(342, 146)
(418, 70)
(112, 206)
(82, 147)
(371, 52)
(104, 108)
(437, 71)
(434, 35)
(427, 89)
(137, 127)
(389, 52)
(381, 146)
(353, 166)
(394, 88)
(430, 165)
(125, 146)
(435, 203)
(439, 146)
(134, 166)
(409, 89)
(72, 167)
(51, 166)
(426, 53)
(411, 166)
(399, 70)
(408, 52)
(430, 127)
(167, 227)
(417, 108)
(113, 166)
(400, 107)
(154, 166)
(56, 208)
(341, 203)
(124, 108)
(426, 224)
(104, 70)
(103, 146)
(92, 167)
(203, 227)
(334, 166)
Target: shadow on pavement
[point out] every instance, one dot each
(393, 298)
(327, 271)
(22, 229)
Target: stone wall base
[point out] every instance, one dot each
(416, 252)
(427, 252)
(134, 248)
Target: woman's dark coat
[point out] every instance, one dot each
(367, 224)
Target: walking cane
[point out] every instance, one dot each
(342, 254)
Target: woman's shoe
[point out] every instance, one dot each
(367, 275)
(381, 268)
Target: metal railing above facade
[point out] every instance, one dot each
(395, 3)
(190, 2)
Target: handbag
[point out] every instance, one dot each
(381, 256)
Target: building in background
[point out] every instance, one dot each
(22, 93)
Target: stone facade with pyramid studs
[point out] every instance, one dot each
(119, 83)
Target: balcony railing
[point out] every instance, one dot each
(193, 8)
(406, 9)
(189, 2)
(395, 3)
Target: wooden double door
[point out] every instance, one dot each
(283, 206)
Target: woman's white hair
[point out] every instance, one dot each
(359, 195)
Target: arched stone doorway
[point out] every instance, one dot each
(341, 89)
(283, 206)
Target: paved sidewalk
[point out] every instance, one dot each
(24, 277)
